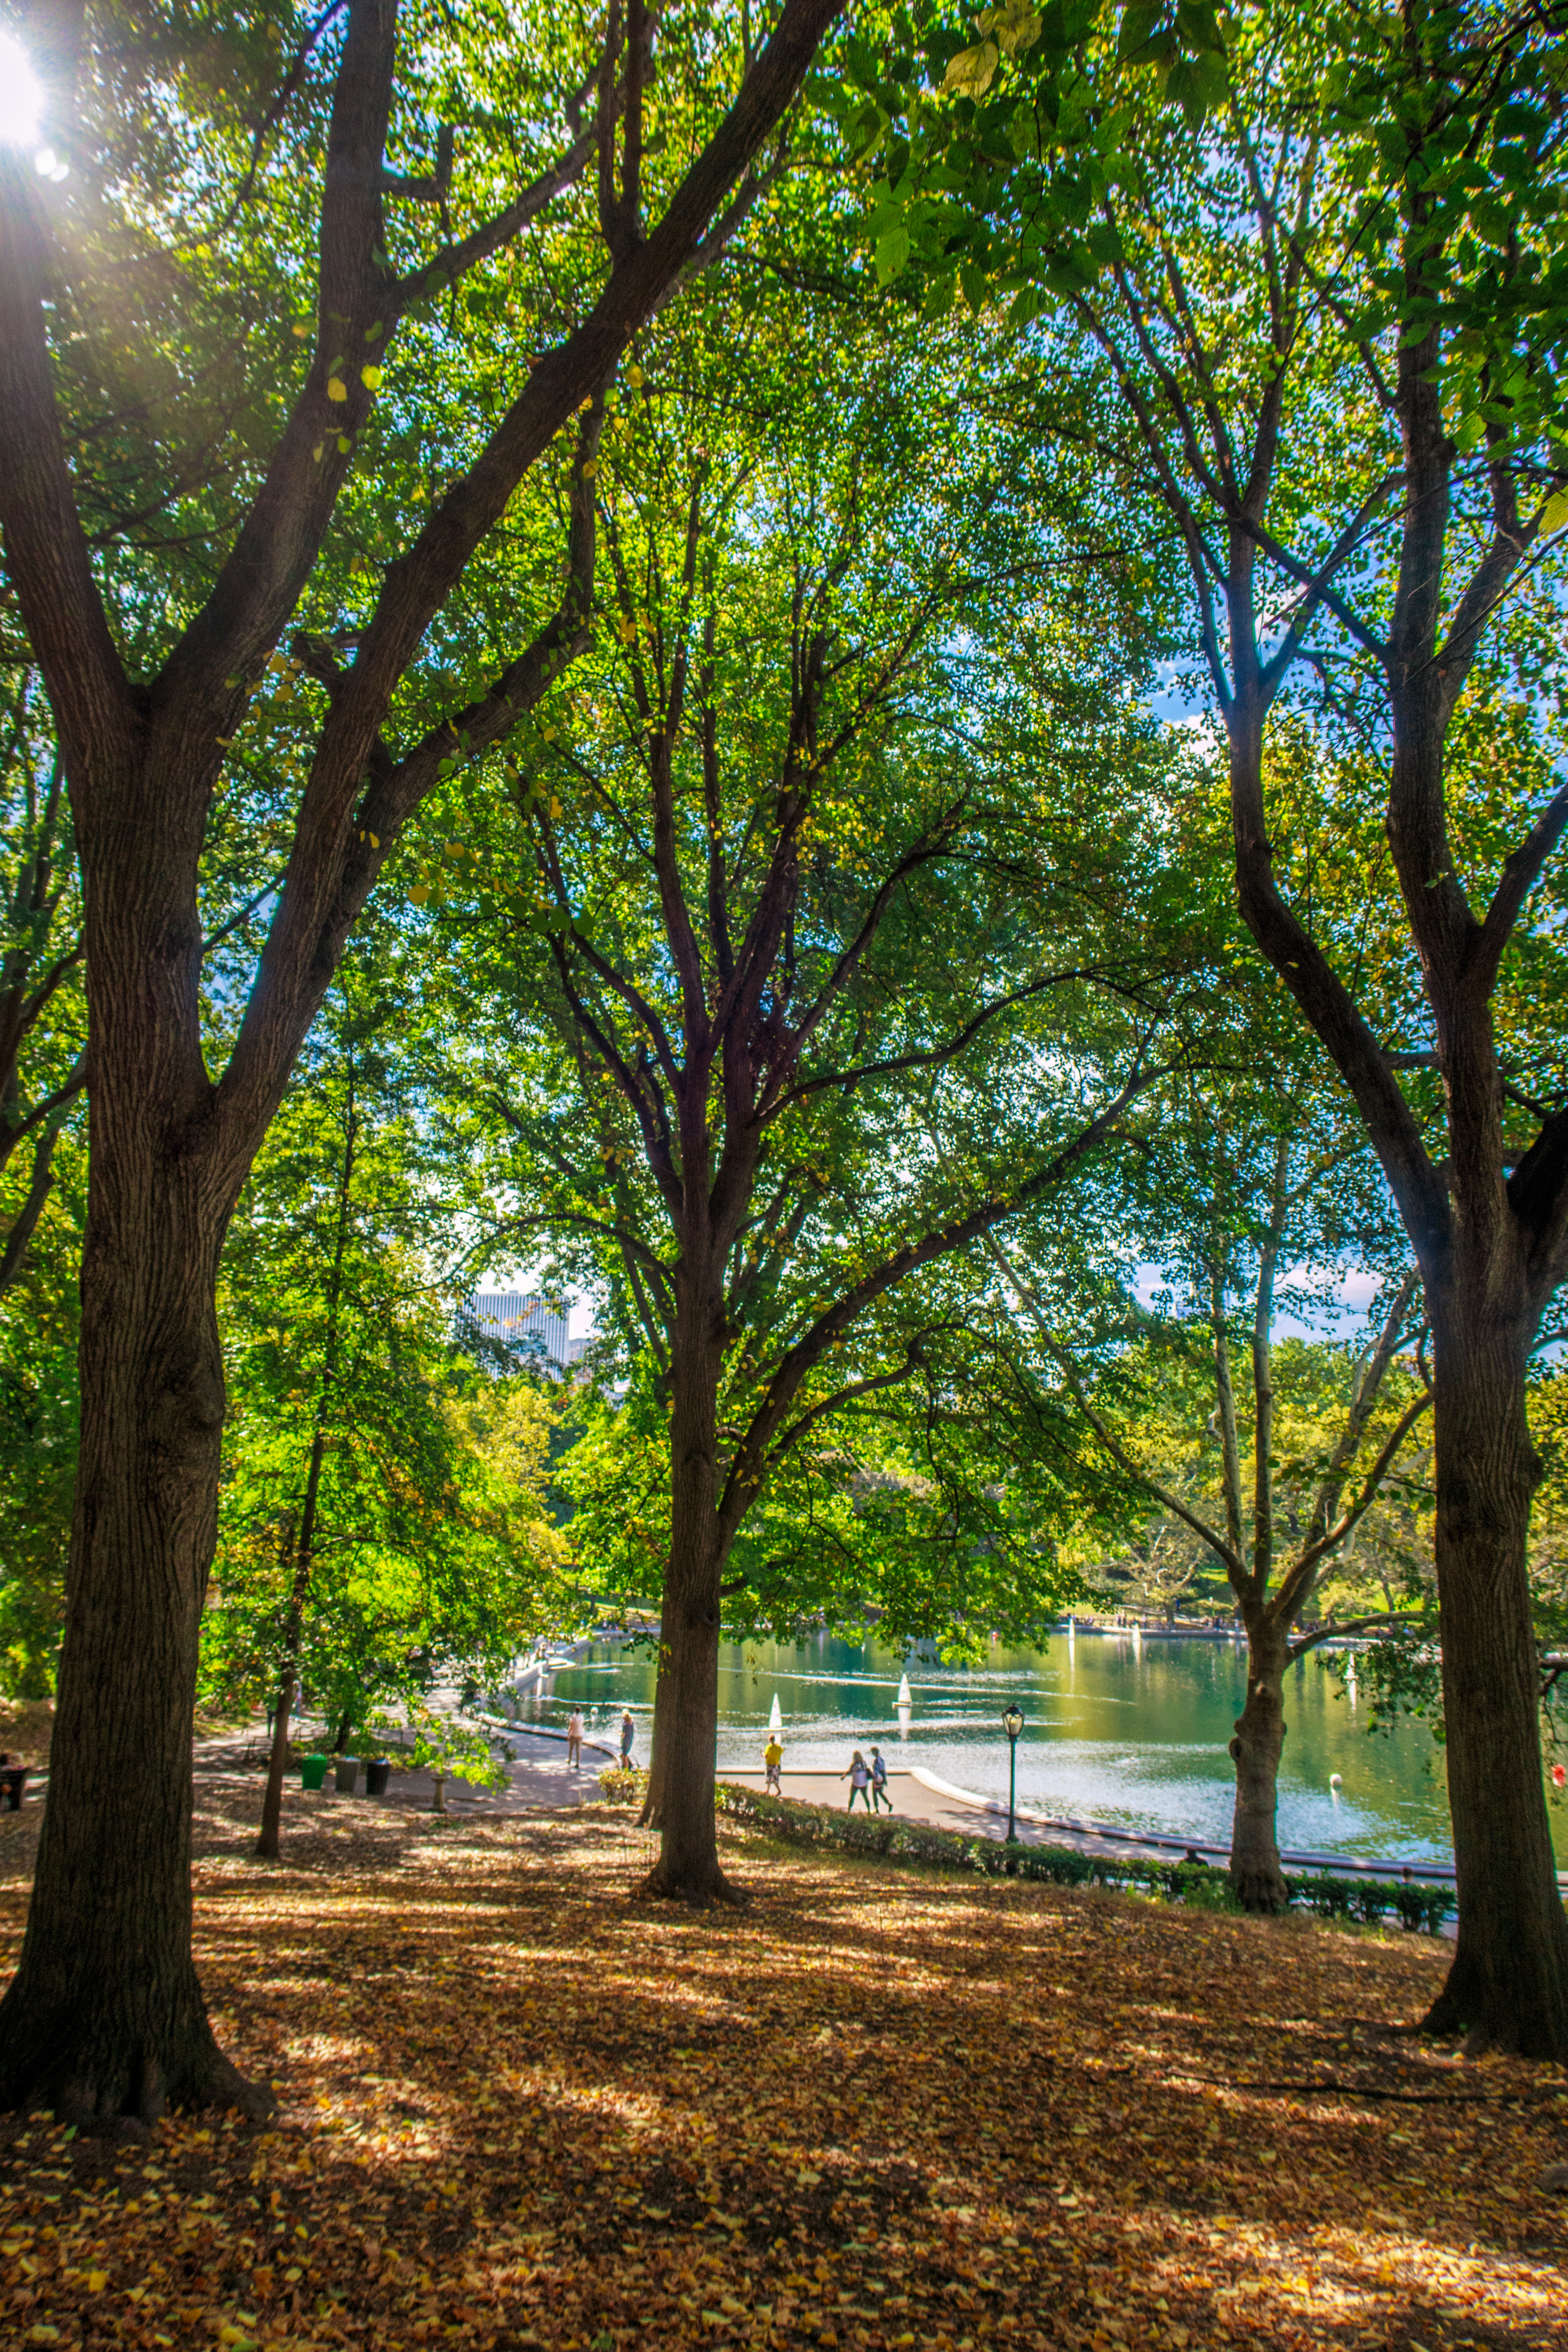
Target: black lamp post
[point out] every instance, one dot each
(1012, 1724)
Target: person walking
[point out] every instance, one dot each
(773, 1760)
(879, 1796)
(628, 1732)
(574, 1740)
(858, 1773)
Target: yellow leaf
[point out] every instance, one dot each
(336, 388)
(1555, 513)
(972, 71)
(554, 806)
(370, 377)
(590, 469)
(300, 328)
(374, 839)
(634, 376)
(96, 2281)
(1015, 24)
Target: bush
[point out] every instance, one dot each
(1194, 1884)
(622, 1785)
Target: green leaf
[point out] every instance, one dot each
(892, 253)
(1024, 130)
(1103, 241)
(864, 129)
(1137, 22)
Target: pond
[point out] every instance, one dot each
(1129, 1732)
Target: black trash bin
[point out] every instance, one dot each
(377, 1773)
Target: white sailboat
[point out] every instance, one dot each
(776, 1720)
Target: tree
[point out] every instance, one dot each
(380, 1524)
(772, 856)
(1309, 298)
(299, 218)
(1244, 1186)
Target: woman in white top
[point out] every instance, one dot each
(574, 1738)
(858, 1776)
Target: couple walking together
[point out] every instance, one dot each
(574, 1738)
(869, 1781)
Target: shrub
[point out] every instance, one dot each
(1194, 1884)
(622, 1786)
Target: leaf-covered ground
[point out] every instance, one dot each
(520, 2106)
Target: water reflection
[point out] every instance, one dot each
(1133, 1732)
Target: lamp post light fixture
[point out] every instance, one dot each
(1012, 1724)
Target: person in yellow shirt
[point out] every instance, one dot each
(772, 1758)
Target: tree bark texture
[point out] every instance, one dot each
(687, 1701)
(652, 1814)
(1256, 1879)
(1508, 1986)
(105, 2016)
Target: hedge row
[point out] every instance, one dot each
(1195, 1885)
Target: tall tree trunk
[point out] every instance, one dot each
(105, 2019)
(652, 1814)
(1508, 1986)
(1256, 1878)
(267, 1847)
(687, 1730)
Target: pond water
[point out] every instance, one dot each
(1129, 1732)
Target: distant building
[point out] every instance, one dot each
(533, 1325)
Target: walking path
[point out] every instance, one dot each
(539, 1778)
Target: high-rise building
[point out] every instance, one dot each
(535, 1326)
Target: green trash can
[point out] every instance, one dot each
(313, 1771)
